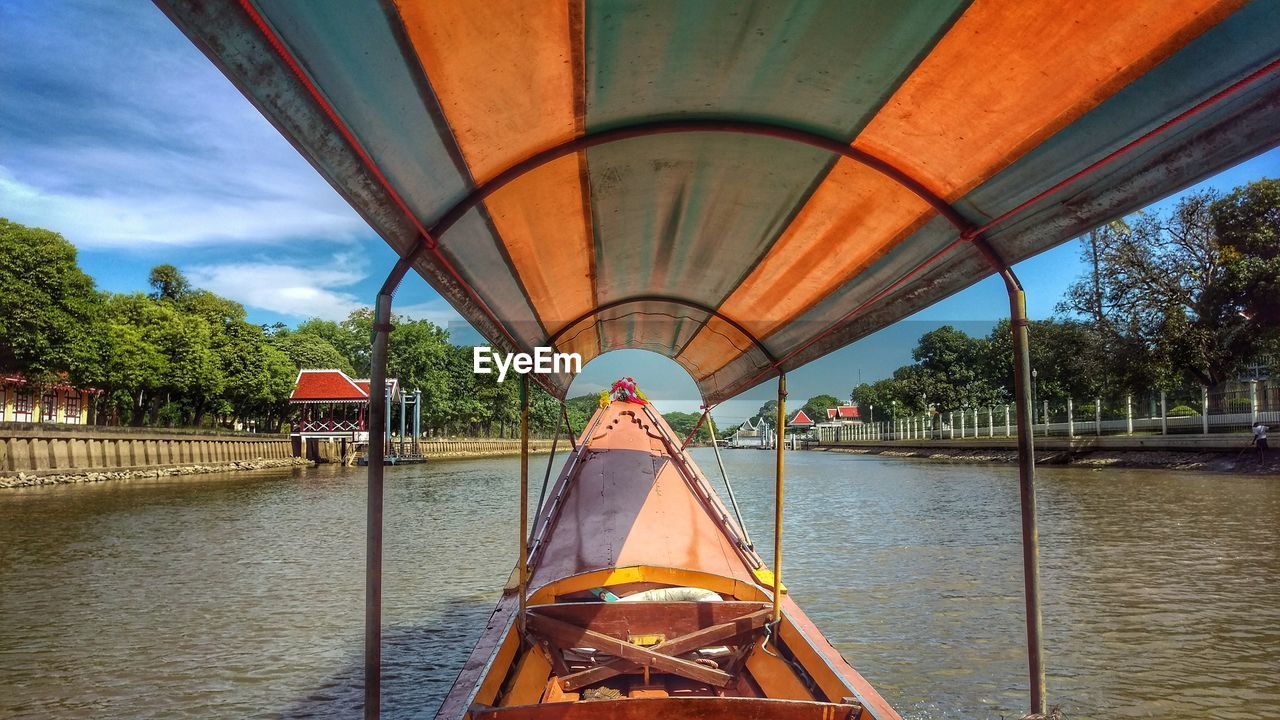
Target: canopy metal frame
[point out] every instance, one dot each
(1026, 452)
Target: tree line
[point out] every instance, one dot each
(183, 356)
(1170, 300)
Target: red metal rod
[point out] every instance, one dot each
(696, 428)
(1191, 112)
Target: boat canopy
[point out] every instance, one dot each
(742, 187)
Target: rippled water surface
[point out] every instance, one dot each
(241, 595)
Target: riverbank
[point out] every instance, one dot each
(1239, 463)
(22, 479)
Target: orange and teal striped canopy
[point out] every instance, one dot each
(742, 186)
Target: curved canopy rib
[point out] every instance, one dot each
(642, 299)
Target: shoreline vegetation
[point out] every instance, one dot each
(1242, 463)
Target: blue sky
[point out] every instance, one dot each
(116, 132)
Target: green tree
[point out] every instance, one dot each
(168, 283)
(952, 371)
(816, 407)
(49, 309)
(128, 364)
(581, 409)
(683, 423)
(1247, 224)
(311, 352)
(250, 366)
(878, 395)
(1157, 283)
(767, 412)
(1070, 358)
(351, 337)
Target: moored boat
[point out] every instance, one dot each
(644, 599)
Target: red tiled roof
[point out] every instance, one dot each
(327, 386)
(847, 411)
(364, 383)
(800, 419)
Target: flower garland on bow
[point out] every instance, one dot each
(624, 390)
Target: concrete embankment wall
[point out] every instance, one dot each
(42, 451)
(484, 448)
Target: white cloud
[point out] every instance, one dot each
(118, 133)
(130, 220)
(301, 291)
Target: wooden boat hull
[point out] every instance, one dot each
(632, 517)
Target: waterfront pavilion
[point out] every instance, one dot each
(333, 406)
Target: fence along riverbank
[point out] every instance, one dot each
(1210, 414)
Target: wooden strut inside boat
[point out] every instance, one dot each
(630, 516)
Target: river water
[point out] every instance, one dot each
(240, 595)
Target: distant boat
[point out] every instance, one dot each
(644, 600)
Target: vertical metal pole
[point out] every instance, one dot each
(1046, 418)
(1128, 414)
(1164, 413)
(403, 408)
(417, 421)
(1204, 409)
(522, 563)
(378, 417)
(546, 478)
(1097, 416)
(733, 499)
(951, 430)
(1071, 421)
(573, 439)
(777, 500)
(1253, 403)
(1007, 430)
(1027, 487)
